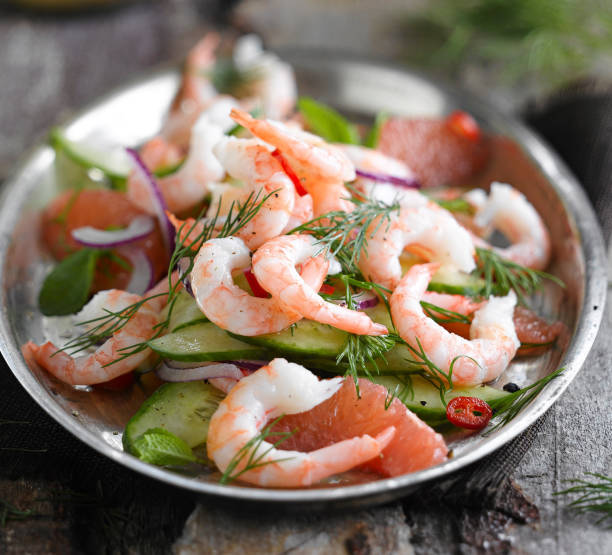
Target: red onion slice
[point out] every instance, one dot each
(409, 182)
(182, 266)
(220, 370)
(362, 300)
(142, 278)
(89, 236)
(159, 204)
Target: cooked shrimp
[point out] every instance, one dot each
(511, 213)
(195, 92)
(228, 306)
(321, 168)
(302, 212)
(104, 364)
(282, 388)
(493, 341)
(274, 267)
(271, 81)
(187, 186)
(252, 163)
(427, 228)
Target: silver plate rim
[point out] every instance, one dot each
(565, 185)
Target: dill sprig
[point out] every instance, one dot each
(506, 408)
(239, 215)
(502, 275)
(443, 315)
(8, 511)
(250, 452)
(595, 496)
(345, 234)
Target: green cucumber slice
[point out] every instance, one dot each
(203, 343)
(454, 282)
(423, 398)
(183, 409)
(304, 339)
(185, 312)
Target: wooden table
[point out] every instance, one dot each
(50, 66)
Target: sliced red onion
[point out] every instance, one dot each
(362, 300)
(142, 278)
(157, 199)
(89, 236)
(250, 365)
(182, 266)
(169, 373)
(409, 182)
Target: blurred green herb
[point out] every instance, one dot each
(557, 40)
(594, 496)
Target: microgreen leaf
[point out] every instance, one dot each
(327, 123)
(67, 286)
(373, 136)
(162, 448)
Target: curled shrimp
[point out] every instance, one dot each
(493, 341)
(228, 306)
(106, 363)
(274, 267)
(507, 210)
(421, 226)
(252, 163)
(321, 168)
(282, 388)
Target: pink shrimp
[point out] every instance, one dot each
(231, 308)
(322, 168)
(493, 341)
(282, 388)
(274, 267)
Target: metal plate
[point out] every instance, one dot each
(359, 88)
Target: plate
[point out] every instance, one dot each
(360, 89)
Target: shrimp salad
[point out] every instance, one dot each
(306, 295)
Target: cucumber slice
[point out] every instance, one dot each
(424, 399)
(183, 409)
(185, 313)
(113, 162)
(304, 339)
(456, 283)
(205, 342)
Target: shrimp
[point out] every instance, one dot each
(422, 226)
(228, 306)
(104, 364)
(195, 93)
(509, 211)
(493, 341)
(278, 389)
(302, 212)
(371, 160)
(321, 168)
(251, 162)
(271, 80)
(187, 186)
(274, 267)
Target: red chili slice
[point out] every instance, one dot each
(468, 412)
(464, 125)
(299, 189)
(117, 384)
(327, 289)
(258, 290)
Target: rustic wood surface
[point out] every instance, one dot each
(51, 66)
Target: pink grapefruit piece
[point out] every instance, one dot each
(415, 445)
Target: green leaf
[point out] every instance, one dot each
(66, 288)
(373, 135)
(327, 123)
(160, 447)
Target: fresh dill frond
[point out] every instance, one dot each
(345, 234)
(8, 511)
(506, 408)
(239, 215)
(250, 452)
(594, 496)
(444, 316)
(502, 275)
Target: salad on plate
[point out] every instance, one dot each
(311, 297)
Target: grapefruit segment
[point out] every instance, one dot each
(414, 446)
